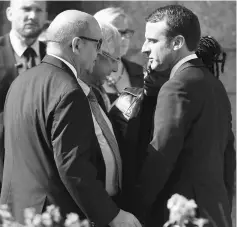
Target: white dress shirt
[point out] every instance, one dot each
(104, 146)
(19, 48)
(181, 62)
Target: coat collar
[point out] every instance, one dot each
(49, 59)
(191, 63)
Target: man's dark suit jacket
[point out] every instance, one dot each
(8, 72)
(192, 149)
(52, 153)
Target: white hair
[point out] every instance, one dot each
(111, 38)
(111, 14)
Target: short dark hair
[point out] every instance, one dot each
(180, 21)
(211, 53)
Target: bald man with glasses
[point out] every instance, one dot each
(53, 132)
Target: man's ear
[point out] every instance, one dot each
(178, 42)
(9, 13)
(77, 44)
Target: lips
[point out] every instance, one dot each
(31, 24)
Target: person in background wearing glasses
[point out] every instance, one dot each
(128, 73)
(107, 61)
(53, 154)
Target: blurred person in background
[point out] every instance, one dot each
(20, 49)
(128, 73)
(42, 36)
(107, 62)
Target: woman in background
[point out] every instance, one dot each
(129, 74)
(107, 61)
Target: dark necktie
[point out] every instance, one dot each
(107, 134)
(30, 57)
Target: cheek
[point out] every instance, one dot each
(19, 19)
(162, 52)
(41, 18)
(91, 56)
(100, 69)
(125, 42)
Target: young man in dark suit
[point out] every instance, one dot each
(52, 119)
(19, 49)
(191, 127)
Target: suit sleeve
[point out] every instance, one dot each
(2, 150)
(71, 138)
(230, 162)
(171, 121)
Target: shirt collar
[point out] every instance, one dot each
(84, 86)
(181, 62)
(19, 47)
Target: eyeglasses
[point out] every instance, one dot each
(105, 54)
(98, 41)
(127, 33)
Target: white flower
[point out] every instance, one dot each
(36, 220)
(29, 213)
(182, 211)
(50, 208)
(72, 218)
(46, 219)
(85, 223)
(200, 222)
(5, 214)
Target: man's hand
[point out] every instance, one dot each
(125, 219)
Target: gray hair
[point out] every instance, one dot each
(111, 14)
(111, 37)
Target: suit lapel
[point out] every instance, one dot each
(9, 58)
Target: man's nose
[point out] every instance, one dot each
(145, 48)
(32, 14)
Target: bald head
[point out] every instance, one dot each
(70, 24)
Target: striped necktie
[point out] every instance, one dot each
(107, 134)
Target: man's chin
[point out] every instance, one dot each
(31, 34)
